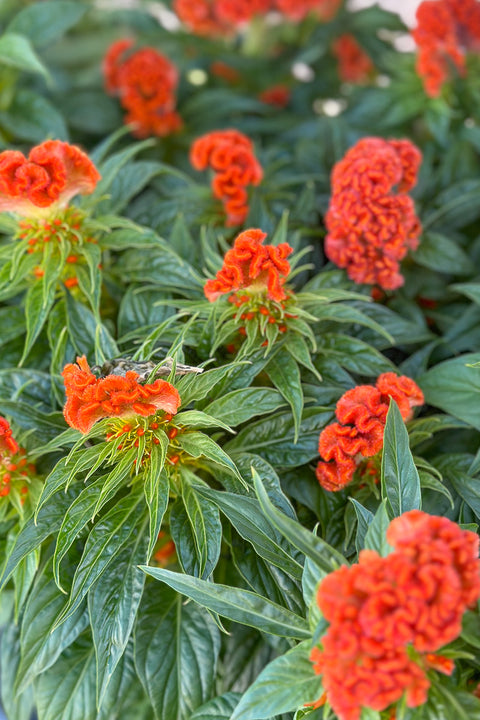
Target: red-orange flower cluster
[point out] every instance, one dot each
(297, 10)
(354, 65)
(47, 180)
(277, 95)
(146, 83)
(249, 264)
(386, 612)
(371, 220)
(230, 155)
(90, 399)
(446, 31)
(358, 434)
(14, 468)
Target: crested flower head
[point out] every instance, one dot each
(200, 17)
(371, 221)
(250, 264)
(45, 182)
(389, 615)
(90, 399)
(146, 83)
(446, 30)
(230, 154)
(297, 10)
(354, 65)
(362, 414)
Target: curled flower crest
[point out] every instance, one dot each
(371, 220)
(230, 154)
(389, 615)
(250, 264)
(362, 413)
(45, 182)
(90, 399)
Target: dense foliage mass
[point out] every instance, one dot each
(240, 361)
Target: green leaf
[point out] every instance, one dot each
(242, 606)
(238, 406)
(454, 387)
(41, 646)
(198, 387)
(113, 603)
(176, 652)
(437, 252)
(220, 708)
(38, 303)
(156, 489)
(16, 706)
(67, 689)
(375, 538)
(364, 519)
(246, 517)
(284, 373)
(313, 547)
(32, 117)
(283, 686)
(17, 52)
(196, 531)
(198, 445)
(400, 480)
(45, 22)
(104, 544)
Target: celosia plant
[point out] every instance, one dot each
(230, 155)
(354, 65)
(358, 434)
(371, 220)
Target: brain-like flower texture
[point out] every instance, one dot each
(146, 83)
(90, 399)
(371, 221)
(46, 181)
(230, 154)
(250, 264)
(362, 413)
(389, 615)
(446, 30)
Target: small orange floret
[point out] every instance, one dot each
(371, 221)
(8, 446)
(354, 65)
(277, 95)
(229, 153)
(52, 174)
(362, 414)
(297, 10)
(90, 399)
(249, 264)
(146, 83)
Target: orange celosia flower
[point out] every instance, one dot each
(46, 181)
(371, 222)
(200, 17)
(362, 414)
(446, 31)
(146, 83)
(238, 12)
(249, 264)
(8, 446)
(278, 95)
(225, 71)
(377, 608)
(230, 155)
(354, 65)
(296, 10)
(90, 399)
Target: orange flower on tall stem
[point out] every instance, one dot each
(90, 399)
(362, 413)
(46, 181)
(371, 221)
(230, 154)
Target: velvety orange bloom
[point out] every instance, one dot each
(230, 154)
(362, 414)
(146, 83)
(378, 608)
(278, 95)
(52, 174)
(8, 446)
(250, 264)
(296, 10)
(225, 71)
(446, 30)
(90, 399)
(371, 221)
(238, 12)
(354, 65)
(200, 17)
